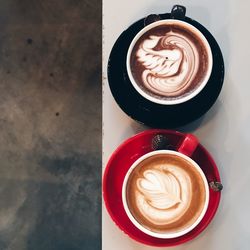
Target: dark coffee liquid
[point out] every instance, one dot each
(169, 62)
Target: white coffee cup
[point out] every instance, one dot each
(140, 226)
(206, 76)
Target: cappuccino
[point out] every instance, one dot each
(166, 194)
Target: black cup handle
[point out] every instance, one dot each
(178, 12)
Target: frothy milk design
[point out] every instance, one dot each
(170, 62)
(163, 194)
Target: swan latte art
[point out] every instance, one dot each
(170, 61)
(165, 193)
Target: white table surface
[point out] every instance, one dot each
(224, 130)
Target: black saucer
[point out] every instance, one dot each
(157, 115)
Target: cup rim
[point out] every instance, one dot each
(185, 98)
(136, 223)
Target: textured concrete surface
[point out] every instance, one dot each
(50, 124)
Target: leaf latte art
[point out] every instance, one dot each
(171, 63)
(161, 190)
(165, 193)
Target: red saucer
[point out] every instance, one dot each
(122, 159)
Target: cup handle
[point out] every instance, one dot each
(178, 12)
(188, 145)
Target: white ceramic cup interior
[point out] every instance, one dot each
(136, 223)
(188, 27)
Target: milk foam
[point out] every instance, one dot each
(163, 194)
(170, 62)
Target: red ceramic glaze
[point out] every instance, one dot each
(123, 158)
(188, 145)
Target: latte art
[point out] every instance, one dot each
(165, 193)
(170, 61)
(160, 190)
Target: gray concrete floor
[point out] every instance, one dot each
(50, 124)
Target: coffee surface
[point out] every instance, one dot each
(169, 62)
(165, 193)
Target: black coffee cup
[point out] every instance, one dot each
(154, 113)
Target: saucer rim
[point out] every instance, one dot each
(182, 239)
(145, 108)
